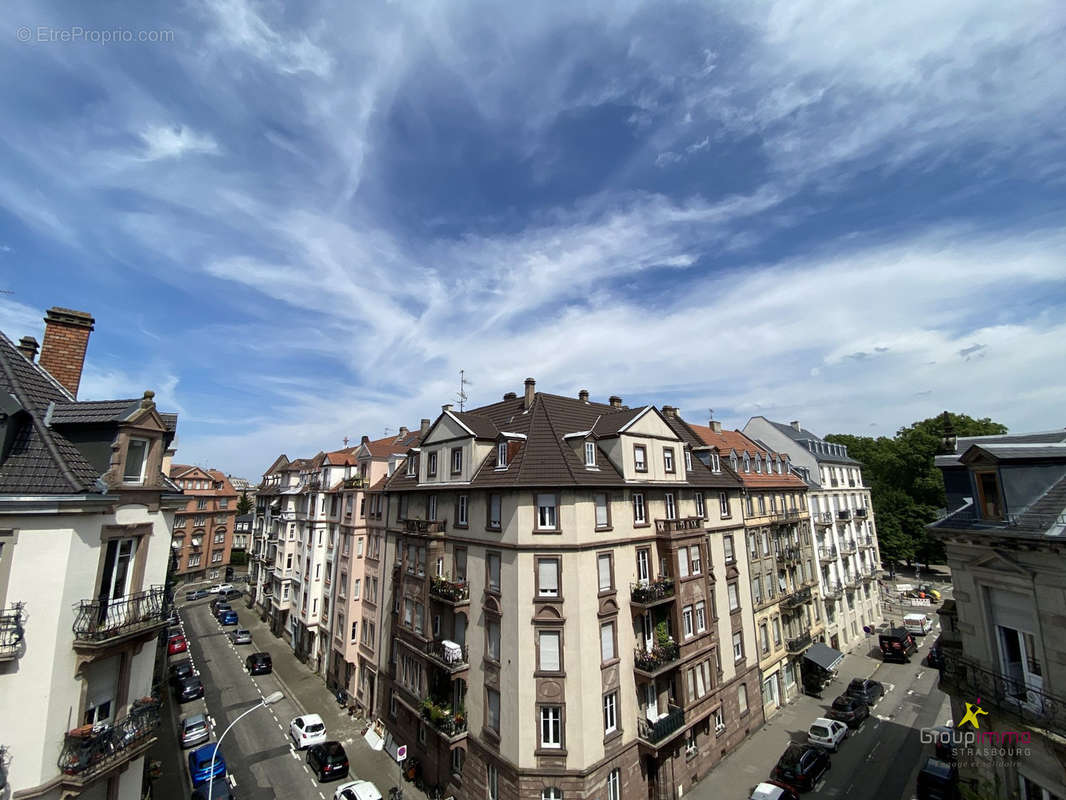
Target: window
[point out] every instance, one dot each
(492, 723)
(988, 495)
(548, 644)
(747, 463)
(603, 569)
(640, 458)
(777, 630)
(457, 460)
(723, 504)
(643, 569)
(492, 639)
(762, 505)
(738, 647)
(431, 510)
(546, 512)
(551, 727)
(457, 761)
(614, 785)
(686, 621)
(719, 721)
(742, 698)
(492, 565)
(355, 631)
(682, 562)
(765, 543)
(758, 465)
(201, 504)
(727, 546)
(639, 517)
(694, 558)
(688, 460)
(548, 577)
(431, 464)
(590, 454)
(179, 522)
(501, 455)
(607, 642)
(671, 506)
(716, 462)
(460, 511)
(756, 590)
(551, 793)
(136, 456)
(764, 638)
(668, 459)
(411, 467)
(603, 519)
(610, 712)
(701, 511)
(495, 502)
(701, 616)
(734, 600)
(356, 586)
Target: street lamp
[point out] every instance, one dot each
(269, 700)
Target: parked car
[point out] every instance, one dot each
(328, 761)
(177, 644)
(307, 730)
(935, 658)
(190, 688)
(849, 710)
(869, 691)
(801, 766)
(259, 664)
(194, 730)
(220, 587)
(918, 624)
(200, 764)
(897, 645)
(241, 636)
(197, 594)
(827, 733)
(768, 790)
(218, 606)
(231, 594)
(943, 743)
(181, 668)
(227, 617)
(927, 591)
(357, 790)
(220, 790)
(938, 780)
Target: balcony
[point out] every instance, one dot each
(789, 555)
(827, 553)
(868, 577)
(796, 599)
(860, 513)
(268, 590)
(668, 526)
(824, 518)
(93, 751)
(851, 582)
(966, 679)
(451, 725)
(833, 591)
(651, 593)
(798, 644)
(283, 574)
(453, 657)
(847, 548)
(12, 631)
(355, 482)
(657, 660)
(424, 527)
(454, 592)
(100, 623)
(658, 732)
(844, 514)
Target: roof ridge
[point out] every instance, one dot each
(43, 372)
(557, 441)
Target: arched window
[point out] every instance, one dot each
(551, 793)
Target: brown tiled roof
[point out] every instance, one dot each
(383, 448)
(727, 441)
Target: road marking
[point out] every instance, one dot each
(921, 672)
(306, 769)
(871, 753)
(232, 781)
(322, 796)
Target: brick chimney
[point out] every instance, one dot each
(583, 395)
(28, 347)
(615, 401)
(670, 411)
(66, 337)
(510, 396)
(715, 426)
(424, 427)
(531, 386)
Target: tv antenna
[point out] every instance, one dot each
(388, 431)
(461, 395)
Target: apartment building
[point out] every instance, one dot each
(779, 548)
(204, 529)
(1004, 633)
(86, 511)
(242, 531)
(845, 536)
(497, 525)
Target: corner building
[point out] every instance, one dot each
(558, 617)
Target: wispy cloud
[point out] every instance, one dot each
(163, 141)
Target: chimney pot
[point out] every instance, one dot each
(446, 407)
(669, 411)
(583, 395)
(615, 401)
(510, 396)
(364, 439)
(28, 347)
(424, 427)
(716, 426)
(66, 337)
(531, 386)
(403, 432)
(795, 425)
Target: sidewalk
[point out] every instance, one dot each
(310, 694)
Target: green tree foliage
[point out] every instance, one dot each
(244, 505)
(905, 486)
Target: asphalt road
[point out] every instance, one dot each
(258, 750)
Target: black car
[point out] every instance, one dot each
(866, 690)
(897, 644)
(328, 760)
(219, 607)
(849, 710)
(190, 688)
(259, 664)
(232, 594)
(935, 659)
(802, 766)
(938, 780)
(179, 670)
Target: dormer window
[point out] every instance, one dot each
(768, 464)
(136, 461)
(501, 455)
(640, 458)
(733, 461)
(668, 459)
(988, 495)
(758, 466)
(412, 465)
(688, 460)
(716, 462)
(747, 463)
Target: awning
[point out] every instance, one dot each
(824, 656)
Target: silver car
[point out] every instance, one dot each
(194, 730)
(241, 636)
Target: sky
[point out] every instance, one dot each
(298, 222)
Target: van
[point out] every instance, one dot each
(918, 624)
(897, 644)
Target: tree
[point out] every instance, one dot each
(244, 505)
(905, 486)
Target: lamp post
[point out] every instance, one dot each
(269, 700)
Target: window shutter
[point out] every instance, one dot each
(549, 577)
(604, 563)
(549, 652)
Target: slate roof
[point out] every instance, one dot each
(87, 412)
(802, 436)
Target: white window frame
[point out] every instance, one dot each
(668, 460)
(144, 461)
(544, 588)
(547, 513)
(601, 560)
(640, 513)
(461, 513)
(551, 727)
(590, 454)
(614, 784)
(671, 505)
(734, 596)
(701, 508)
(687, 626)
(608, 651)
(610, 712)
(701, 616)
(738, 646)
(501, 455)
(694, 560)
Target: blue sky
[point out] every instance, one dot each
(298, 222)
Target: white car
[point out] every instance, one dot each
(307, 730)
(357, 790)
(827, 733)
(220, 587)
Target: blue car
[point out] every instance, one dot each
(200, 764)
(228, 618)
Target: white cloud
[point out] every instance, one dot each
(165, 141)
(240, 27)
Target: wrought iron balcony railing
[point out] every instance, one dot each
(651, 592)
(103, 620)
(969, 680)
(92, 750)
(424, 527)
(655, 732)
(450, 723)
(844, 514)
(682, 524)
(655, 660)
(452, 656)
(453, 592)
(824, 518)
(798, 644)
(833, 590)
(847, 548)
(12, 631)
(797, 598)
(789, 555)
(860, 513)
